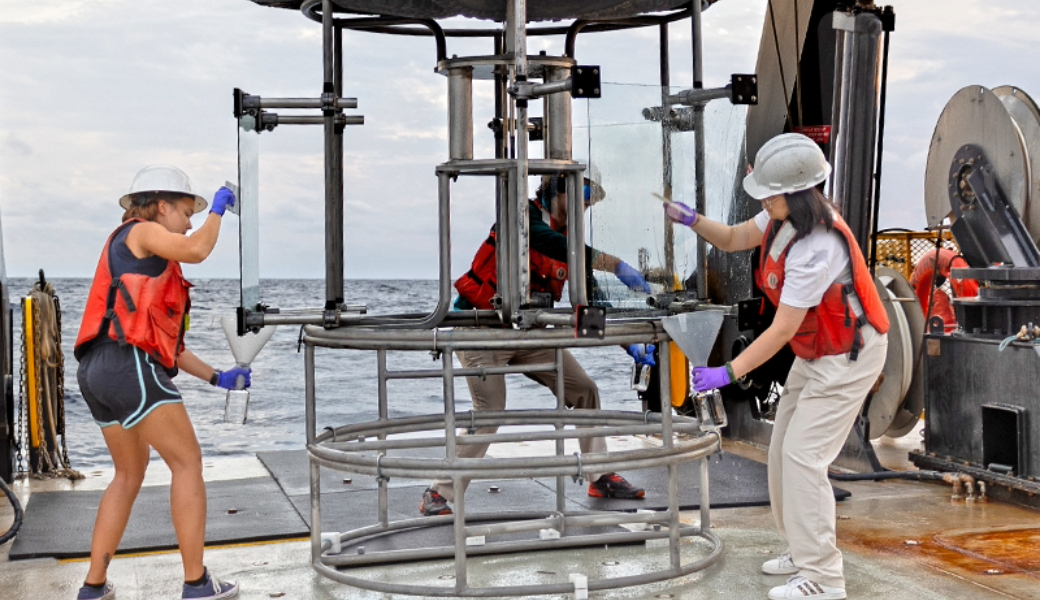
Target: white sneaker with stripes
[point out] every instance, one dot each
(800, 587)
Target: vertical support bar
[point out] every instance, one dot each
(665, 380)
(577, 269)
(558, 143)
(666, 149)
(333, 171)
(384, 502)
(517, 21)
(503, 206)
(337, 52)
(698, 136)
(460, 113)
(315, 469)
(561, 386)
(444, 231)
(705, 495)
(448, 374)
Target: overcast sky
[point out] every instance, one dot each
(92, 90)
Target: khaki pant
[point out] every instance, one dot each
(816, 412)
(489, 393)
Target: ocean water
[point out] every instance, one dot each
(345, 379)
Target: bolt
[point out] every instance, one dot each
(494, 489)
(347, 480)
(580, 91)
(360, 549)
(584, 331)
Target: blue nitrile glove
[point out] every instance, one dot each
(222, 200)
(643, 354)
(228, 379)
(710, 378)
(631, 277)
(680, 213)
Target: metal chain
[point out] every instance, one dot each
(23, 407)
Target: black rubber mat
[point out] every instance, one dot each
(60, 524)
(733, 482)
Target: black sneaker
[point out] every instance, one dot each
(613, 485)
(433, 504)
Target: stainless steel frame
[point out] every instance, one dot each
(365, 448)
(372, 448)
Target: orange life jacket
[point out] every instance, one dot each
(145, 312)
(831, 327)
(480, 283)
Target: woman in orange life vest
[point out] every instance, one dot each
(829, 312)
(923, 276)
(130, 345)
(548, 274)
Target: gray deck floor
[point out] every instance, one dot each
(955, 551)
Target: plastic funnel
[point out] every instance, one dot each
(695, 333)
(245, 347)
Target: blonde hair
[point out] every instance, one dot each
(145, 205)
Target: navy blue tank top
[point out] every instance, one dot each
(123, 260)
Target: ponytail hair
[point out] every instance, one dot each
(807, 209)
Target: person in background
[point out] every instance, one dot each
(924, 274)
(830, 313)
(130, 346)
(547, 222)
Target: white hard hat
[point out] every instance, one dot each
(789, 162)
(162, 178)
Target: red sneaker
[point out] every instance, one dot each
(433, 503)
(613, 485)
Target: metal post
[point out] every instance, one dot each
(383, 417)
(705, 495)
(561, 386)
(666, 149)
(856, 110)
(517, 20)
(698, 137)
(333, 171)
(458, 483)
(503, 207)
(665, 380)
(460, 113)
(576, 274)
(558, 144)
(315, 469)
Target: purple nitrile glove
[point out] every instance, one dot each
(631, 277)
(222, 200)
(643, 354)
(680, 213)
(710, 378)
(229, 379)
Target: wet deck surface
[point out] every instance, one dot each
(900, 540)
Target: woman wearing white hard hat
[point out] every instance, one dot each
(130, 346)
(828, 310)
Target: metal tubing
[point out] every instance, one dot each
(517, 21)
(664, 66)
(551, 88)
(339, 120)
(448, 364)
(473, 372)
(558, 116)
(695, 29)
(561, 404)
(333, 173)
(504, 547)
(460, 113)
(315, 471)
(699, 96)
(576, 273)
(297, 102)
(705, 495)
(384, 413)
(879, 153)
